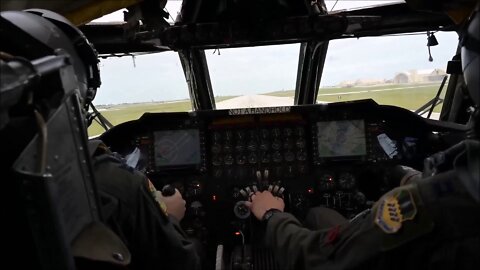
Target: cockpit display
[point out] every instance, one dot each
(177, 148)
(341, 138)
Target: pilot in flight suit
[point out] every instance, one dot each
(145, 221)
(132, 210)
(47, 65)
(430, 223)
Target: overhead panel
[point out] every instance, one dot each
(78, 11)
(97, 9)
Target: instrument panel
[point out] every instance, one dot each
(291, 141)
(326, 150)
(337, 155)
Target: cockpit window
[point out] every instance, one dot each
(339, 5)
(392, 70)
(132, 86)
(253, 77)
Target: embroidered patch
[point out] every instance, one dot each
(151, 187)
(394, 209)
(332, 235)
(156, 195)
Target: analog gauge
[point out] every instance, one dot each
(289, 156)
(302, 169)
(240, 135)
(252, 134)
(265, 157)
(346, 181)
(217, 160)
(241, 159)
(228, 159)
(196, 208)
(216, 148)
(217, 136)
(359, 198)
(227, 148)
(276, 132)
(252, 146)
(288, 144)
(264, 145)
(287, 132)
(326, 182)
(277, 157)
(240, 147)
(194, 189)
(301, 155)
(217, 173)
(300, 143)
(265, 133)
(276, 144)
(228, 135)
(300, 131)
(252, 158)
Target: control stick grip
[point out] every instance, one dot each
(168, 190)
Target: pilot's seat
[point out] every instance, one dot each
(53, 218)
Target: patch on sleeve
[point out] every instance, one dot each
(151, 187)
(394, 209)
(412, 219)
(155, 195)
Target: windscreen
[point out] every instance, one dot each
(341, 138)
(177, 147)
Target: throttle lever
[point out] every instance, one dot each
(259, 176)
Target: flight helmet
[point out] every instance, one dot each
(36, 33)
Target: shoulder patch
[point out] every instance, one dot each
(155, 195)
(151, 187)
(394, 209)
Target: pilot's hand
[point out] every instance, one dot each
(175, 204)
(263, 201)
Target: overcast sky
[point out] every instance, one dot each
(240, 71)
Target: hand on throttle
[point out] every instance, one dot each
(175, 204)
(263, 201)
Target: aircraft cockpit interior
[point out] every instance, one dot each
(340, 155)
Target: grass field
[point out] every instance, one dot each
(407, 96)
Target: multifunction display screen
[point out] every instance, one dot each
(341, 138)
(177, 147)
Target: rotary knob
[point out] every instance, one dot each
(241, 210)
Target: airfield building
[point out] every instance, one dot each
(420, 76)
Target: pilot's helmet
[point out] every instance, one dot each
(36, 33)
(470, 42)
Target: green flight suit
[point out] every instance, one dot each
(154, 239)
(443, 233)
